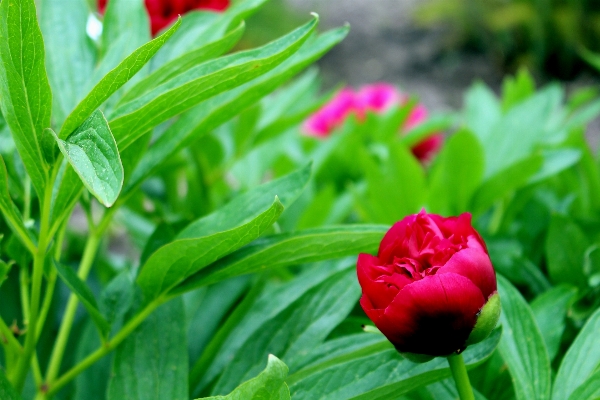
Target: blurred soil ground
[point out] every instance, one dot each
(385, 44)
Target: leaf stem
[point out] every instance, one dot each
(8, 339)
(36, 285)
(461, 378)
(106, 348)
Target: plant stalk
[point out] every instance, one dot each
(461, 378)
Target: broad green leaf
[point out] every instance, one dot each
(581, 361)
(482, 111)
(588, 390)
(70, 54)
(117, 297)
(92, 152)
(550, 311)
(10, 212)
(84, 294)
(125, 19)
(565, 247)
(113, 81)
(445, 389)
(7, 392)
(152, 363)
(516, 89)
(554, 162)
(522, 346)
(293, 331)
(289, 249)
(395, 187)
(258, 309)
(376, 371)
(268, 385)
(132, 119)
(435, 124)
(66, 192)
(217, 110)
(95, 378)
(456, 174)
(25, 97)
(173, 263)
(185, 62)
(246, 205)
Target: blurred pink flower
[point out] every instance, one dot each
(379, 98)
(332, 114)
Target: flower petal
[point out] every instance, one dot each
(474, 264)
(434, 315)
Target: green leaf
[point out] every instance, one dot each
(565, 247)
(93, 154)
(194, 250)
(95, 378)
(10, 211)
(550, 311)
(116, 78)
(516, 89)
(376, 371)
(117, 297)
(25, 97)
(152, 363)
(183, 63)
(217, 110)
(125, 19)
(7, 392)
(70, 54)
(522, 346)
(4, 270)
(292, 331)
(588, 390)
(456, 174)
(581, 361)
(67, 189)
(289, 249)
(264, 304)
(556, 161)
(136, 117)
(84, 294)
(268, 385)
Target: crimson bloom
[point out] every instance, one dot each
(427, 287)
(378, 98)
(163, 12)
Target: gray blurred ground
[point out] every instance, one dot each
(385, 44)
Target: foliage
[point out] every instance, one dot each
(166, 185)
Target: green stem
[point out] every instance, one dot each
(24, 281)
(60, 345)
(109, 346)
(36, 286)
(461, 378)
(10, 342)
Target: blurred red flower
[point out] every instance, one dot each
(163, 12)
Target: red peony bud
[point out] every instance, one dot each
(163, 12)
(427, 287)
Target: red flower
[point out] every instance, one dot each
(378, 98)
(163, 12)
(427, 286)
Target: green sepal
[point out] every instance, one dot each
(486, 320)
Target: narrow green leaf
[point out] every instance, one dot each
(293, 331)
(93, 154)
(125, 19)
(134, 118)
(522, 346)
(377, 372)
(10, 211)
(581, 361)
(110, 83)
(565, 247)
(152, 363)
(84, 294)
(25, 97)
(7, 392)
(290, 249)
(588, 390)
(550, 311)
(268, 385)
(215, 111)
(176, 261)
(70, 54)
(183, 63)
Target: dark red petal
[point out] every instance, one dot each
(433, 316)
(380, 293)
(376, 315)
(474, 264)
(425, 150)
(392, 240)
